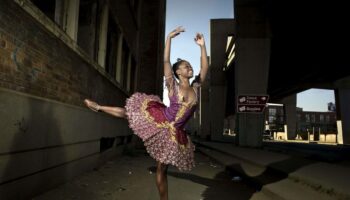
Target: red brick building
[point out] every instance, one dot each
(54, 54)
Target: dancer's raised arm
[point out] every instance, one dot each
(199, 39)
(167, 65)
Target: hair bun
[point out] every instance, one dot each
(178, 59)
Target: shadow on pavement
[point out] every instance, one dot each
(220, 187)
(274, 172)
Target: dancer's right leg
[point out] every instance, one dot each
(115, 111)
(162, 181)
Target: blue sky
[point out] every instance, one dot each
(194, 16)
(315, 99)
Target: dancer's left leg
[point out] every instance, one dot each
(115, 111)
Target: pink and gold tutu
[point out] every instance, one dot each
(161, 128)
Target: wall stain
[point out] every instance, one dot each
(21, 125)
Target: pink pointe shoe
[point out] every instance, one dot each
(92, 105)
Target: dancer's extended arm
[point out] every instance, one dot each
(199, 39)
(167, 65)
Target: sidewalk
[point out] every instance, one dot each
(132, 176)
(276, 171)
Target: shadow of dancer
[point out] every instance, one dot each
(220, 187)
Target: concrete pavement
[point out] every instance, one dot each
(265, 175)
(131, 176)
(282, 176)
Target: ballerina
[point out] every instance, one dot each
(161, 128)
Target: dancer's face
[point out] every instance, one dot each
(185, 70)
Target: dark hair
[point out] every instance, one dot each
(176, 66)
(196, 79)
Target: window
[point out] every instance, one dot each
(134, 5)
(280, 119)
(298, 117)
(125, 60)
(132, 76)
(112, 47)
(47, 7)
(63, 12)
(272, 111)
(327, 118)
(313, 118)
(321, 118)
(307, 118)
(131, 73)
(87, 26)
(272, 115)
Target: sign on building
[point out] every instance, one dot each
(251, 103)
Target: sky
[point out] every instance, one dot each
(194, 16)
(315, 99)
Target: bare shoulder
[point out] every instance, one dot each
(196, 84)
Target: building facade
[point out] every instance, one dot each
(53, 55)
(316, 124)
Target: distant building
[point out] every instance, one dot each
(331, 107)
(311, 121)
(274, 118)
(307, 121)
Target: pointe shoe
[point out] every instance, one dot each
(92, 105)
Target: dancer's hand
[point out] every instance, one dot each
(176, 32)
(199, 39)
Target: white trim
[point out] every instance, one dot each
(102, 42)
(54, 29)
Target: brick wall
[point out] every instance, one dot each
(34, 61)
(45, 143)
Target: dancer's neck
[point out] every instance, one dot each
(184, 82)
